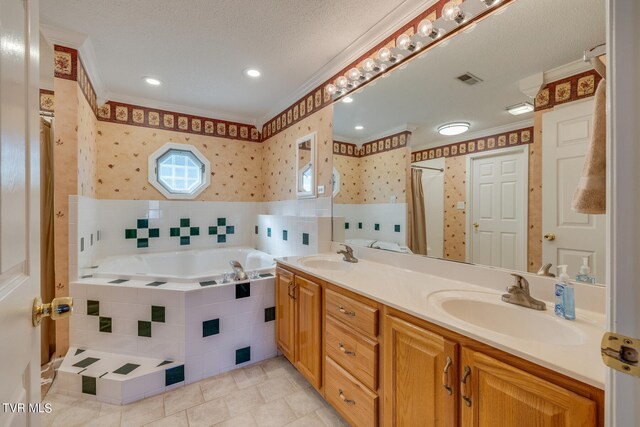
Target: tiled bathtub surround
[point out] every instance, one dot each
(283, 235)
(382, 221)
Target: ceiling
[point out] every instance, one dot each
(199, 48)
(531, 36)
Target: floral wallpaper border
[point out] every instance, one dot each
(388, 143)
(68, 65)
(486, 143)
(570, 89)
(47, 100)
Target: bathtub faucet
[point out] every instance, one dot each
(238, 270)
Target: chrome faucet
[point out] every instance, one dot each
(348, 254)
(518, 294)
(544, 270)
(238, 271)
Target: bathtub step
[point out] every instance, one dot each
(116, 378)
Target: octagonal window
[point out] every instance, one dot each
(179, 171)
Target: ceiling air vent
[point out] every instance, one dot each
(469, 79)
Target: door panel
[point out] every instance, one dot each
(309, 330)
(285, 314)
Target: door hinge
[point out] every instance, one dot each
(621, 353)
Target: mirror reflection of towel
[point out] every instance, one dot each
(590, 196)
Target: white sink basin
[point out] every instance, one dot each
(487, 311)
(325, 263)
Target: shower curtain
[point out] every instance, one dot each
(418, 242)
(47, 277)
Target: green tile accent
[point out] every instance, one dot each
(157, 313)
(396, 228)
(89, 385)
(154, 232)
(118, 281)
(194, 231)
(376, 227)
(173, 375)
(142, 243)
(130, 233)
(243, 290)
(144, 328)
(86, 362)
(210, 327)
(360, 225)
(126, 368)
(208, 283)
(263, 275)
(164, 362)
(256, 230)
(143, 223)
(268, 232)
(155, 283)
(93, 308)
(79, 350)
(231, 229)
(222, 238)
(105, 324)
(305, 239)
(285, 235)
(222, 222)
(243, 355)
(185, 222)
(346, 225)
(269, 314)
(213, 231)
(185, 240)
(174, 231)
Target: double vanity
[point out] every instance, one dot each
(392, 345)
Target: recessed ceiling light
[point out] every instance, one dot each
(347, 100)
(522, 108)
(152, 81)
(252, 72)
(359, 127)
(451, 129)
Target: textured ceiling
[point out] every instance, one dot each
(531, 36)
(199, 48)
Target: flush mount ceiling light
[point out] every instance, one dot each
(151, 81)
(522, 108)
(252, 72)
(359, 127)
(451, 129)
(347, 100)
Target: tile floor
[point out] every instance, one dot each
(269, 393)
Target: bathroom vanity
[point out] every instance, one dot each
(383, 346)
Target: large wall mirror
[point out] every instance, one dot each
(472, 151)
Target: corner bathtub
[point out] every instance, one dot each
(183, 266)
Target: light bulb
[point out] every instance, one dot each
(452, 12)
(342, 82)
(368, 64)
(354, 74)
(331, 89)
(396, 58)
(418, 45)
(382, 68)
(384, 54)
(368, 76)
(425, 28)
(490, 3)
(403, 41)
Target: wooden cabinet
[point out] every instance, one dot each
(308, 309)
(285, 314)
(419, 376)
(495, 394)
(350, 397)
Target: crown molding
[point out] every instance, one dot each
(567, 70)
(404, 13)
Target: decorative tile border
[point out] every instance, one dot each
(572, 88)
(388, 143)
(486, 143)
(68, 65)
(47, 100)
(87, 87)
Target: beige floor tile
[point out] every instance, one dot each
(275, 367)
(143, 412)
(297, 378)
(243, 400)
(273, 414)
(309, 420)
(178, 419)
(275, 388)
(330, 417)
(78, 412)
(251, 375)
(244, 420)
(111, 419)
(182, 398)
(219, 386)
(208, 413)
(304, 401)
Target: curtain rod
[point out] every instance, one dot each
(427, 167)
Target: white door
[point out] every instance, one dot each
(566, 134)
(497, 194)
(19, 212)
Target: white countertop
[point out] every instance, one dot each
(416, 293)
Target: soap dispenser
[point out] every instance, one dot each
(584, 275)
(568, 295)
(560, 289)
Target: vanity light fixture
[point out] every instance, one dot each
(359, 127)
(455, 128)
(490, 3)
(331, 89)
(522, 108)
(151, 81)
(252, 72)
(426, 29)
(342, 82)
(386, 55)
(452, 12)
(404, 42)
(347, 100)
(354, 74)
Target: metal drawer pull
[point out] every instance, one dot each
(346, 312)
(345, 351)
(465, 387)
(344, 398)
(445, 376)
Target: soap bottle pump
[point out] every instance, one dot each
(584, 275)
(559, 290)
(568, 295)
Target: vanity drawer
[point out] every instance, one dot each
(355, 353)
(360, 316)
(352, 399)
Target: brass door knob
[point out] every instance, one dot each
(549, 237)
(59, 308)
(476, 225)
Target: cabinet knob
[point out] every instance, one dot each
(445, 376)
(344, 398)
(345, 351)
(465, 387)
(346, 312)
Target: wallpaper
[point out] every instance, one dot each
(87, 150)
(279, 156)
(384, 176)
(350, 180)
(454, 219)
(123, 151)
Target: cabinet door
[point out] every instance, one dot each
(309, 330)
(285, 314)
(494, 394)
(415, 381)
